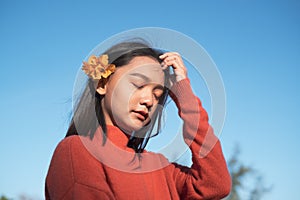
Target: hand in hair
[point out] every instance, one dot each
(174, 60)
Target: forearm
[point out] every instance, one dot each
(208, 177)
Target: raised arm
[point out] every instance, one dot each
(208, 177)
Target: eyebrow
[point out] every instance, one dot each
(147, 79)
(141, 76)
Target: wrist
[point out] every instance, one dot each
(180, 78)
(179, 89)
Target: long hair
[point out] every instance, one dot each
(88, 113)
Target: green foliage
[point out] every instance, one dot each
(2, 197)
(240, 173)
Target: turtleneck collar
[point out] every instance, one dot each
(122, 140)
(115, 153)
(118, 137)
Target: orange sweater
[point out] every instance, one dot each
(82, 168)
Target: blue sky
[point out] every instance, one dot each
(255, 45)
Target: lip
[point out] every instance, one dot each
(141, 115)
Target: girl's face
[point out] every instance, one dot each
(132, 93)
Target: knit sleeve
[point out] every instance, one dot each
(68, 175)
(208, 177)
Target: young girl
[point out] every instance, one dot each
(103, 156)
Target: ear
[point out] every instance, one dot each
(101, 90)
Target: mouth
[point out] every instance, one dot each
(141, 115)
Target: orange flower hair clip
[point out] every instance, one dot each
(98, 67)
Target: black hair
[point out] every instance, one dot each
(88, 113)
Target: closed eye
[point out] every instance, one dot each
(138, 85)
(158, 92)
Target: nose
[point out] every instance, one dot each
(146, 98)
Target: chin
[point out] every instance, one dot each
(130, 128)
(137, 127)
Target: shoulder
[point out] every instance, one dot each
(62, 158)
(67, 142)
(72, 153)
(74, 169)
(61, 168)
(63, 151)
(72, 164)
(64, 145)
(71, 157)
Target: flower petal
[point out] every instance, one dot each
(103, 59)
(106, 74)
(97, 74)
(85, 67)
(93, 60)
(98, 67)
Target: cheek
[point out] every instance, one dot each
(133, 97)
(122, 97)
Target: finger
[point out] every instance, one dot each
(174, 62)
(164, 65)
(175, 57)
(169, 54)
(172, 59)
